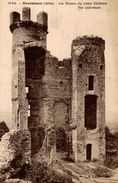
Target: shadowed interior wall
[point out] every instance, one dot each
(61, 119)
(34, 57)
(61, 140)
(34, 69)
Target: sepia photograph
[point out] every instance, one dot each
(58, 91)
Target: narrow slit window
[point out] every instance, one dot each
(80, 66)
(91, 83)
(89, 152)
(101, 67)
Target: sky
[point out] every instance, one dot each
(65, 23)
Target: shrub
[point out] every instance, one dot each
(44, 174)
(112, 162)
(102, 172)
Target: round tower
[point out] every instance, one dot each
(88, 97)
(28, 61)
(26, 31)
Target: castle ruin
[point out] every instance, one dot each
(61, 103)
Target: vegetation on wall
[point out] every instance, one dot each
(111, 148)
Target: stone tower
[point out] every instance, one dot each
(88, 98)
(62, 103)
(28, 60)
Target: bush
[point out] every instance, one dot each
(36, 173)
(44, 174)
(112, 162)
(111, 149)
(102, 172)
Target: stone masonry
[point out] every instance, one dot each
(62, 103)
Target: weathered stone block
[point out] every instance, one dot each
(15, 149)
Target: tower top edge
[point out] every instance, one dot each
(42, 12)
(89, 40)
(28, 24)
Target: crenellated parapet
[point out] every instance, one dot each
(16, 21)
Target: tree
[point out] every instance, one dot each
(3, 129)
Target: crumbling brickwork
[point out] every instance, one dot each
(58, 99)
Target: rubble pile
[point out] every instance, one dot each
(15, 153)
(16, 181)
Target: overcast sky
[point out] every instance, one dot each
(65, 23)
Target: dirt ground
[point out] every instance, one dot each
(84, 172)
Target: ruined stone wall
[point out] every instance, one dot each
(88, 59)
(58, 78)
(48, 94)
(29, 34)
(55, 91)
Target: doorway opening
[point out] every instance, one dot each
(90, 112)
(61, 140)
